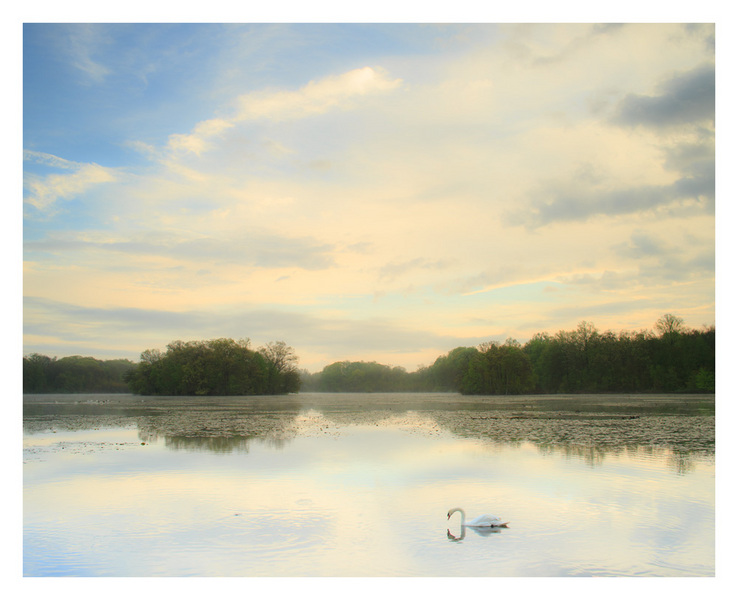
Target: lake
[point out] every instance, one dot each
(360, 485)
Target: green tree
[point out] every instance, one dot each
(668, 325)
(36, 369)
(216, 367)
(74, 374)
(282, 373)
(500, 369)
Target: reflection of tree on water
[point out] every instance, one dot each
(589, 437)
(681, 461)
(224, 426)
(218, 445)
(77, 412)
(588, 428)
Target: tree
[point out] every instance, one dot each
(74, 374)
(669, 325)
(282, 374)
(499, 369)
(216, 367)
(448, 371)
(360, 376)
(35, 373)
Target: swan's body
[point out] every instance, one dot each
(480, 521)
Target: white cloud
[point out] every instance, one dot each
(317, 97)
(45, 190)
(50, 160)
(83, 42)
(197, 141)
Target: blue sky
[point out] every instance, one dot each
(367, 191)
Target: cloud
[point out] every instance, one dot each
(257, 249)
(583, 197)
(499, 276)
(696, 163)
(394, 270)
(685, 195)
(317, 97)
(685, 99)
(595, 310)
(673, 266)
(84, 41)
(43, 158)
(197, 141)
(641, 245)
(77, 323)
(90, 327)
(43, 191)
(658, 261)
(692, 157)
(574, 44)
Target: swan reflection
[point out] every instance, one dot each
(483, 531)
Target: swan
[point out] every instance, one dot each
(480, 521)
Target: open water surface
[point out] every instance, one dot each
(360, 484)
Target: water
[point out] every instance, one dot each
(359, 485)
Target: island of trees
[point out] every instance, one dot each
(220, 367)
(584, 360)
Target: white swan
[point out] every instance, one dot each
(480, 521)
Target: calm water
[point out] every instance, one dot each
(359, 485)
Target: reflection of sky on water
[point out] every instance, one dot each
(307, 494)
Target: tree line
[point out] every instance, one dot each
(583, 360)
(360, 376)
(674, 359)
(74, 374)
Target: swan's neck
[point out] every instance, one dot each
(463, 514)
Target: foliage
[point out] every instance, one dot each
(281, 372)
(669, 325)
(219, 367)
(74, 374)
(494, 369)
(489, 369)
(675, 359)
(346, 376)
(585, 360)
(580, 361)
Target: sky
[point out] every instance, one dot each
(380, 192)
